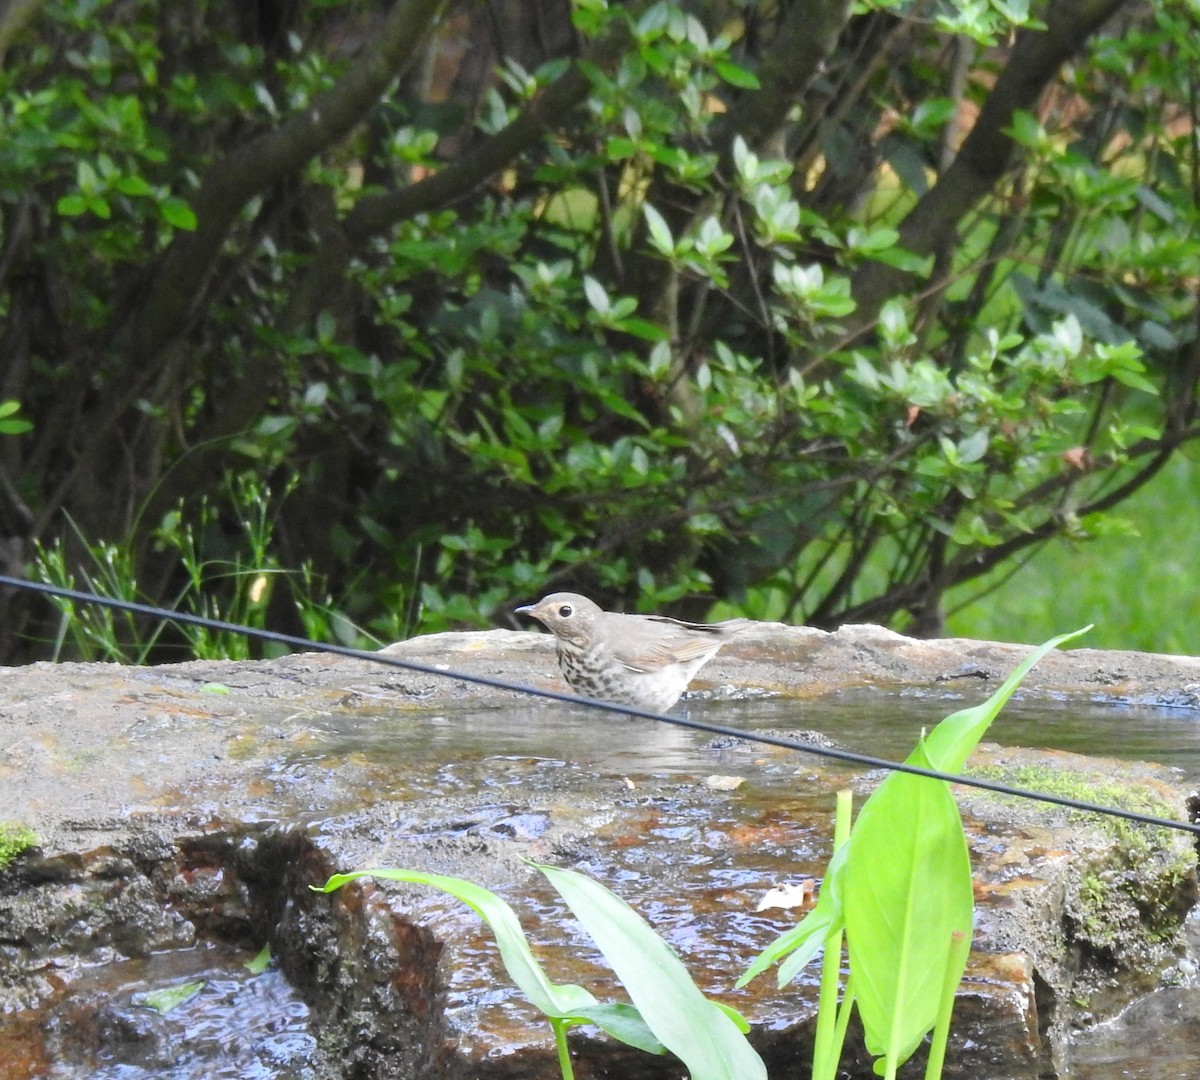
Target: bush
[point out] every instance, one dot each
(821, 308)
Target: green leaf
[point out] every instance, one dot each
(907, 890)
(261, 961)
(929, 117)
(170, 997)
(133, 185)
(86, 178)
(660, 231)
(559, 1001)
(903, 259)
(178, 213)
(619, 147)
(10, 423)
(643, 329)
(596, 296)
(624, 1023)
(694, 1029)
(973, 447)
(950, 743)
(878, 239)
(736, 75)
(72, 205)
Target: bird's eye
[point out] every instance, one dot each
(566, 611)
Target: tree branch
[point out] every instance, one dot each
(546, 111)
(986, 152)
(15, 15)
(376, 213)
(178, 286)
(806, 37)
(976, 562)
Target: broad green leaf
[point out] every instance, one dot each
(133, 185)
(72, 205)
(878, 239)
(596, 296)
(619, 147)
(178, 213)
(660, 231)
(973, 447)
(907, 890)
(693, 1028)
(736, 75)
(622, 1021)
(951, 742)
(558, 1000)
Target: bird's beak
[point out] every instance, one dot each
(527, 609)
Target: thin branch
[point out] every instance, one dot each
(548, 110)
(177, 289)
(974, 563)
(987, 151)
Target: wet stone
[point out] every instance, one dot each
(179, 829)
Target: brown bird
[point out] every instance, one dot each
(645, 661)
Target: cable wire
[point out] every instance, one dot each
(849, 756)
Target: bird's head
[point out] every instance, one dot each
(567, 615)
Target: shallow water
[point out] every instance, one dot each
(868, 722)
(255, 1026)
(888, 725)
(235, 1026)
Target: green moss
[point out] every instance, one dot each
(1096, 920)
(1145, 875)
(1097, 787)
(13, 840)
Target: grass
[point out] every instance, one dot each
(1140, 591)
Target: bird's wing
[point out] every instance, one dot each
(673, 642)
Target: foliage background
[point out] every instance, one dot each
(348, 317)
(1135, 588)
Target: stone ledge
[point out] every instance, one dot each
(198, 801)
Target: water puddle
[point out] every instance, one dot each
(231, 1025)
(888, 725)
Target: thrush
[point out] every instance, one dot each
(645, 661)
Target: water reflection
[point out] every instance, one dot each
(887, 725)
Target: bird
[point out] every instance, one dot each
(645, 661)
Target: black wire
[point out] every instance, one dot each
(849, 756)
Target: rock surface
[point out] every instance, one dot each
(186, 808)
